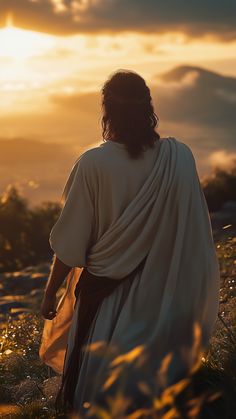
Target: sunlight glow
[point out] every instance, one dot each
(222, 159)
(20, 44)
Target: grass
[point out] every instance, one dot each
(210, 393)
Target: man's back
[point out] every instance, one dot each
(115, 179)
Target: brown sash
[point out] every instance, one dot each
(91, 290)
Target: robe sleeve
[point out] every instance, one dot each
(71, 234)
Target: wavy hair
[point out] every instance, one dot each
(128, 113)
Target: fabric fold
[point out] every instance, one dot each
(167, 222)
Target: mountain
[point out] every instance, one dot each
(198, 96)
(207, 76)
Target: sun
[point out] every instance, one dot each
(21, 44)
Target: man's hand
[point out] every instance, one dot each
(58, 273)
(48, 307)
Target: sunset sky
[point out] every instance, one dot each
(55, 56)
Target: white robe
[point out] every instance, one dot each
(117, 211)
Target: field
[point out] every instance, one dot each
(28, 387)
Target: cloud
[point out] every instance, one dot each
(222, 159)
(194, 18)
(85, 103)
(55, 54)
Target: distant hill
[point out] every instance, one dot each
(178, 73)
(197, 96)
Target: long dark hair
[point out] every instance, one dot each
(128, 113)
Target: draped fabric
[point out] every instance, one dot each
(167, 222)
(90, 290)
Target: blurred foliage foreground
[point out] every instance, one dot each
(28, 387)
